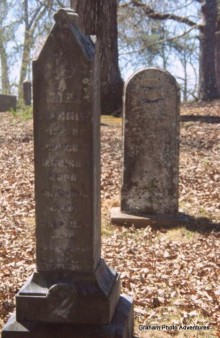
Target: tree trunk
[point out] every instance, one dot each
(99, 17)
(25, 62)
(208, 87)
(4, 69)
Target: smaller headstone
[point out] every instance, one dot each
(7, 102)
(149, 192)
(27, 92)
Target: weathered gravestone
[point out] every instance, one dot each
(149, 191)
(73, 293)
(27, 92)
(7, 102)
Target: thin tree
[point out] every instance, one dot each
(5, 35)
(31, 18)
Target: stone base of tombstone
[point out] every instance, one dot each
(73, 305)
(124, 218)
(121, 326)
(73, 298)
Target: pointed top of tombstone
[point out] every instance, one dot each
(66, 16)
(66, 24)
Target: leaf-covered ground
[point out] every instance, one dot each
(173, 274)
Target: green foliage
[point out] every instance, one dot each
(23, 112)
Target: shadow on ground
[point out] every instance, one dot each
(202, 225)
(202, 119)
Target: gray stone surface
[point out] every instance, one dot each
(27, 92)
(119, 217)
(70, 298)
(66, 134)
(72, 286)
(121, 326)
(151, 144)
(71, 278)
(7, 102)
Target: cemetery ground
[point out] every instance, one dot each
(172, 273)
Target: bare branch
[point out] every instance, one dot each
(151, 13)
(34, 16)
(161, 41)
(175, 37)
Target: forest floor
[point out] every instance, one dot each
(173, 274)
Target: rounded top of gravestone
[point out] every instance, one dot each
(153, 72)
(152, 83)
(65, 16)
(26, 80)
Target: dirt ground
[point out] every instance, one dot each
(173, 274)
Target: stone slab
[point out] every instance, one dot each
(151, 143)
(66, 150)
(71, 278)
(55, 298)
(123, 218)
(27, 94)
(73, 293)
(120, 327)
(7, 102)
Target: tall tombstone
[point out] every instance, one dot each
(151, 149)
(73, 293)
